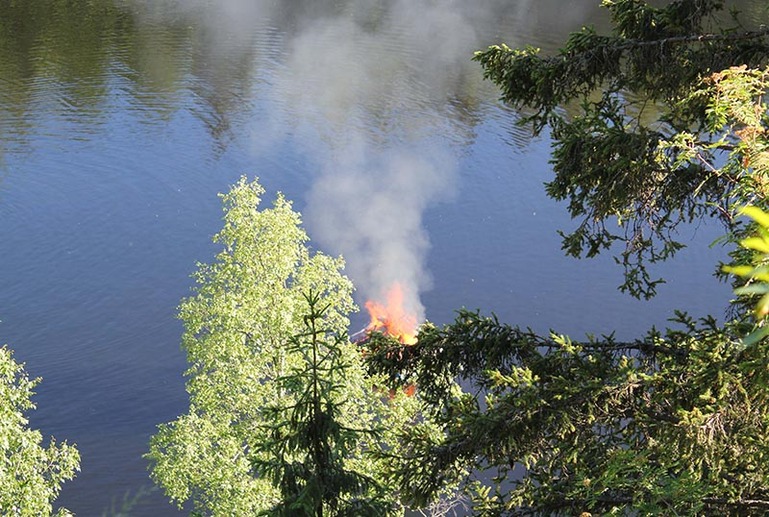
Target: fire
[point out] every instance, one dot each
(391, 317)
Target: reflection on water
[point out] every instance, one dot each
(121, 120)
(79, 61)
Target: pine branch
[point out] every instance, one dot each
(672, 40)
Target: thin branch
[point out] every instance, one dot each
(698, 38)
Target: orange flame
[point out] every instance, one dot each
(391, 318)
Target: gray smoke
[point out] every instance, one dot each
(367, 86)
(379, 95)
(369, 205)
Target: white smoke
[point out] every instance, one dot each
(369, 205)
(377, 95)
(368, 67)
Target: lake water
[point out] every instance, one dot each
(121, 121)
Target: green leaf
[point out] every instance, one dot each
(762, 307)
(756, 243)
(742, 270)
(757, 215)
(756, 336)
(752, 289)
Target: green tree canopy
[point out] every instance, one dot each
(617, 149)
(31, 474)
(308, 444)
(677, 420)
(247, 344)
(671, 125)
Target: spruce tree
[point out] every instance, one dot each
(309, 445)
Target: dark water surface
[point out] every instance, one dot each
(121, 121)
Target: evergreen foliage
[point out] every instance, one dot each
(31, 474)
(756, 272)
(664, 121)
(247, 343)
(671, 125)
(673, 422)
(617, 150)
(308, 445)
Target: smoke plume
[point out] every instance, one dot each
(379, 96)
(368, 86)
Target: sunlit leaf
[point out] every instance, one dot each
(757, 215)
(756, 243)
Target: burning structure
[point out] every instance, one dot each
(391, 317)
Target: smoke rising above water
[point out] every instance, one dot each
(370, 206)
(368, 86)
(379, 97)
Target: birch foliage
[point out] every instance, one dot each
(31, 473)
(240, 327)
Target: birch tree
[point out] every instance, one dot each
(241, 330)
